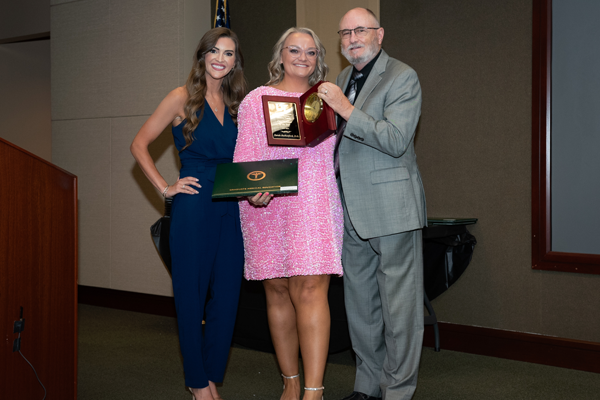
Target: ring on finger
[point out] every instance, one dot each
(265, 203)
(183, 186)
(326, 91)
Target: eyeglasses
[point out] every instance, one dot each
(296, 52)
(360, 32)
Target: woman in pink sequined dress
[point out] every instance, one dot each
(293, 243)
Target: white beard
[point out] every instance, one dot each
(371, 50)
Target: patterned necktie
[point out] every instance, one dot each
(342, 124)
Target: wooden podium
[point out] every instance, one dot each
(38, 273)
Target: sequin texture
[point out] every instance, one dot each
(299, 234)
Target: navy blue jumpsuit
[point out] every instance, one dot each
(207, 253)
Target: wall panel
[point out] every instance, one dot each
(25, 99)
(112, 63)
(258, 25)
(80, 60)
(474, 147)
(569, 304)
(136, 204)
(195, 18)
(142, 71)
(323, 17)
(82, 147)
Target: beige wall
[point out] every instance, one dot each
(25, 76)
(323, 17)
(112, 63)
(474, 147)
(25, 96)
(258, 25)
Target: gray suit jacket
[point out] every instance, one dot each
(380, 179)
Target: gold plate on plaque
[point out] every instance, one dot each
(313, 108)
(284, 120)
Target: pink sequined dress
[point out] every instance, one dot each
(299, 234)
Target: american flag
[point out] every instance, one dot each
(222, 14)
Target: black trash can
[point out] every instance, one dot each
(448, 250)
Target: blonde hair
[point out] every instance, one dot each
(276, 71)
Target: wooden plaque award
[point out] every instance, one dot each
(303, 121)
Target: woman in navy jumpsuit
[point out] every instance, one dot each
(206, 241)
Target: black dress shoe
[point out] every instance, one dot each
(360, 396)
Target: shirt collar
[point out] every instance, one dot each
(367, 68)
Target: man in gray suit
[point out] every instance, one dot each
(384, 209)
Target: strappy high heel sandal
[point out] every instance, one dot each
(319, 388)
(289, 377)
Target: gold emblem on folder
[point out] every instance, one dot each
(256, 175)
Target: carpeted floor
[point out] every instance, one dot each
(127, 355)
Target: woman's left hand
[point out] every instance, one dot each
(260, 199)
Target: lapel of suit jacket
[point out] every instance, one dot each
(372, 80)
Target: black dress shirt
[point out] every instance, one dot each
(360, 82)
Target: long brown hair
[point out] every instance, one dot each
(233, 85)
(276, 71)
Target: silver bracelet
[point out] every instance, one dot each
(164, 192)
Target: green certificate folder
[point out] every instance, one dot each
(250, 178)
